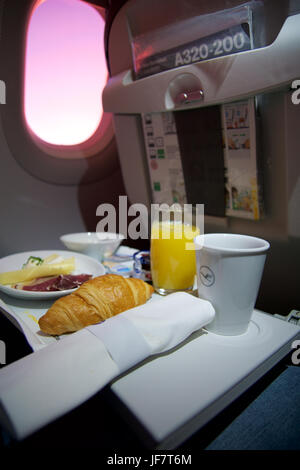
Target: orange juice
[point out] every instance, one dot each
(173, 257)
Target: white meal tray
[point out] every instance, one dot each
(24, 314)
(172, 395)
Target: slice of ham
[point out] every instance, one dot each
(57, 283)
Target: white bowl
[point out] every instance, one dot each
(95, 244)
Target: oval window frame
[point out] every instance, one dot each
(89, 161)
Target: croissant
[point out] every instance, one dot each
(94, 301)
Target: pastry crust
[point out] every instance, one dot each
(96, 300)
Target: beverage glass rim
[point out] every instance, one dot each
(175, 207)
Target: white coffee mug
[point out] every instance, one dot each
(229, 272)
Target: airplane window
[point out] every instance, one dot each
(65, 72)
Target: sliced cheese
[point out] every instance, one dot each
(51, 258)
(27, 274)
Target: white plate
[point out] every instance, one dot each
(83, 265)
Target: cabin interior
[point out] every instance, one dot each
(161, 101)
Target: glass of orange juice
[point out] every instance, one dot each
(172, 251)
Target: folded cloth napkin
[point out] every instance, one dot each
(52, 381)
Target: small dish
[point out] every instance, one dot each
(84, 265)
(98, 245)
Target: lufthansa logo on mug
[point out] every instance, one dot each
(207, 276)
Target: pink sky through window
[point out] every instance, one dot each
(65, 71)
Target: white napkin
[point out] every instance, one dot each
(52, 381)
